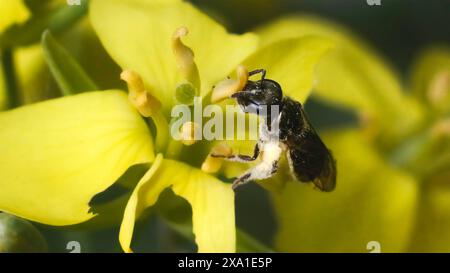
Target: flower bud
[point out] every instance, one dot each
(19, 236)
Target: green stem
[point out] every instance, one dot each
(10, 79)
(162, 131)
(174, 149)
(245, 243)
(30, 32)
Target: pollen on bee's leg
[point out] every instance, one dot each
(228, 87)
(144, 102)
(213, 164)
(190, 133)
(184, 57)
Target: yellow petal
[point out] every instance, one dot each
(56, 155)
(144, 194)
(430, 78)
(291, 63)
(211, 200)
(212, 205)
(432, 232)
(12, 12)
(372, 202)
(138, 35)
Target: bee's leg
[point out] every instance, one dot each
(254, 72)
(239, 157)
(259, 172)
(241, 180)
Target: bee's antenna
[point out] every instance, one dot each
(257, 71)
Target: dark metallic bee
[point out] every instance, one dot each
(289, 131)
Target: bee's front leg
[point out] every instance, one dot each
(239, 157)
(241, 180)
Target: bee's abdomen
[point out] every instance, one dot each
(308, 157)
(306, 167)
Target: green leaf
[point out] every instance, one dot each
(2, 90)
(9, 79)
(69, 75)
(245, 243)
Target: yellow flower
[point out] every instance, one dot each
(391, 166)
(56, 155)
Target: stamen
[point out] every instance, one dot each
(213, 164)
(189, 133)
(228, 87)
(184, 57)
(144, 102)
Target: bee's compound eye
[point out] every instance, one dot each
(273, 88)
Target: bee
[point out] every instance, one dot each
(287, 131)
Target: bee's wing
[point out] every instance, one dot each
(308, 157)
(311, 161)
(327, 178)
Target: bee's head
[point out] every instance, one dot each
(258, 97)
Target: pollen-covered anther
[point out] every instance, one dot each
(144, 102)
(190, 133)
(184, 57)
(213, 164)
(228, 87)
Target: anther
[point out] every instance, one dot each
(213, 164)
(144, 102)
(228, 87)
